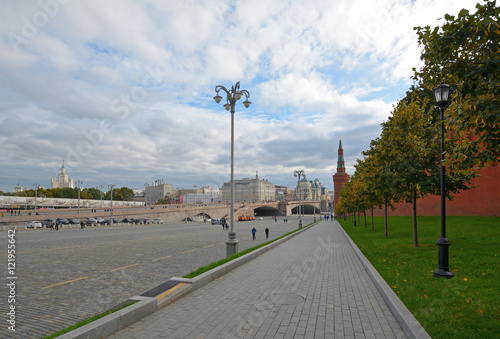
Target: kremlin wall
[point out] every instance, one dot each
(482, 200)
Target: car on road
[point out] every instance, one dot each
(215, 221)
(74, 221)
(49, 222)
(157, 221)
(127, 221)
(99, 220)
(145, 221)
(34, 224)
(90, 221)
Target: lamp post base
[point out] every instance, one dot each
(443, 267)
(300, 223)
(231, 244)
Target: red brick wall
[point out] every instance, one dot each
(339, 179)
(483, 200)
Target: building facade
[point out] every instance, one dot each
(341, 177)
(62, 180)
(158, 191)
(249, 190)
(311, 190)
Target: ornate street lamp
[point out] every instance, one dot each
(442, 97)
(298, 174)
(110, 188)
(233, 95)
(36, 193)
(78, 182)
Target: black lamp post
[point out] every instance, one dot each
(233, 95)
(298, 174)
(442, 97)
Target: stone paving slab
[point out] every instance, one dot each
(311, 286)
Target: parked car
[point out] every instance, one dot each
(49, 222)
(137, 221)
(34, 224)
(145, 221)
(100, 220)
(90, 221)
(157, 221)
(127, 221)
(64, 221)
(108, 222)
(74, 221)
(215, 221)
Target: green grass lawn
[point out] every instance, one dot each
(466, 306)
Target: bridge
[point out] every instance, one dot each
(169, 213)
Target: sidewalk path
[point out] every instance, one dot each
(311, 286)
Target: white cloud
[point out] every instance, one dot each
(118, 88)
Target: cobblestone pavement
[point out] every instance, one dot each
(68, 275)
(311, 286)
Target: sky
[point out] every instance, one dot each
(122, 91)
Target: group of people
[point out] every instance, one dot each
(55, 225)
(254, 232)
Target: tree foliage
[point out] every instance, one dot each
(464, 52)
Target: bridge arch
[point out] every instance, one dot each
(266, 211)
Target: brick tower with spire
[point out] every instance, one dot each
(341, 177)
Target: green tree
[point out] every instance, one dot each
(94, 192)
(464, 52)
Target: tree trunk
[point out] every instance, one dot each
(364, 214)
(373, 228)
(385, 216)
(415, 237)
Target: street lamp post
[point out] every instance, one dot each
(442, 97)
(100, 187)
(78, 182)
(298, 174)
(36, 193)
(233, 95)
(110, 187)
(145, 195)
(42, 196)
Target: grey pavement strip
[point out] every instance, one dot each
(310, 286)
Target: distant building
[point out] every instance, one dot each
(18, 188)
(249, 190)
(311, 190)
(62, 180)
(159, 191)
(283, 193)
(204, 195)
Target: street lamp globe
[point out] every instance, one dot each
(442, 95)
(217, 98)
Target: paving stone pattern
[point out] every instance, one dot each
(107, 265)
(312, 286)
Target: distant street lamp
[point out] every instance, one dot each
(36, 193)
(145, 195)
(100, 188)
(442, 97)
(42, 196)
(78, 182)
(110, 187)
(233, 95)
(298, 174)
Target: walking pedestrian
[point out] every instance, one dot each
(267, 233)
(253, 233)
